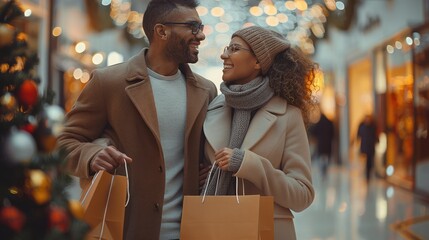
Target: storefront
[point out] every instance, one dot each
(403, 107)
(421, 101)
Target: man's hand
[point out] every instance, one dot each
(108, 159)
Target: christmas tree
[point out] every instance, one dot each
(33, 200)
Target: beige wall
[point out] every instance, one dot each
(360, 99)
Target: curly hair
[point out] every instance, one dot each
(292, 77)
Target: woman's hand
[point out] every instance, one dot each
(223, 157)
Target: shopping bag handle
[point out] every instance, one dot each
(128, 183)
(217, 181)
(90, 186)
(97, 174)
(108, 197)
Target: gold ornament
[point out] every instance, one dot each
(8, 101)
(7, 33)
(21, 37)
(76, 209)
(8, 106)
(48, 143)
(38, 186)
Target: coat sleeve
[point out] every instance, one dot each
(84, 123)
(213, 91)
(291, 184)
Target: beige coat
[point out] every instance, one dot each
(118, 102)
(276, 160)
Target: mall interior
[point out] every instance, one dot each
(374, 60)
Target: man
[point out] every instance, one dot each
(367, 133)
(152, 108)
(323, 131)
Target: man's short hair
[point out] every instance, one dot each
(158, 10)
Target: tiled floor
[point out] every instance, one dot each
(347, 208)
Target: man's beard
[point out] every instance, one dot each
(180, 52)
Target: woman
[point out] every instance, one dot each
(256, 129)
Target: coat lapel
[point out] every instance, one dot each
(217, 126)
(262, 121)
(142, 97)
(141, 94)
(140, 91)
(196, 98)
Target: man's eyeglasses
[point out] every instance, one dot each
(234, 48)
(196, 27)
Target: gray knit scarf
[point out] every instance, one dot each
(243, 99)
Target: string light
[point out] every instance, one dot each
(288, 17)
(296, 19)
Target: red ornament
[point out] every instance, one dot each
(12, 217)
(27, 93)
(59, 219)
(30, 128)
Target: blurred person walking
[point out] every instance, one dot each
(323, 131)
(367, 133)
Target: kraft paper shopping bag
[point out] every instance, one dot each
(247, 217)
(104, 201)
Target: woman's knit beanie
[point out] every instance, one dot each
(266, 44)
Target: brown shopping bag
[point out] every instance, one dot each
(103, 202)
(250, 217)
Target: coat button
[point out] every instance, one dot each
(156, 206)
(160, 169)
